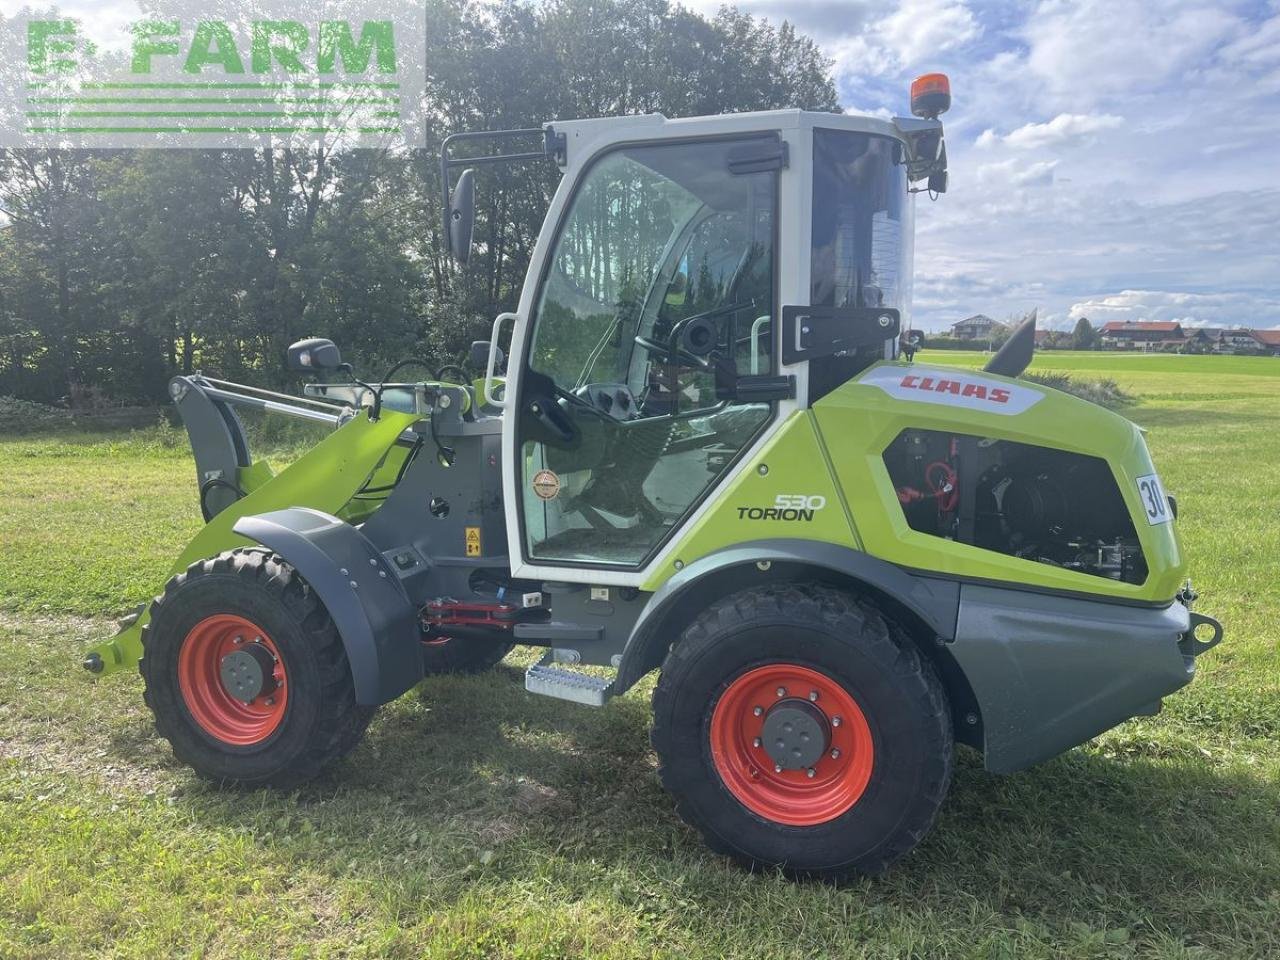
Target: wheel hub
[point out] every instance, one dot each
(233, 679)
(246, 673)
(791, 743)
(795, 734)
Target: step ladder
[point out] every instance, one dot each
(552, 681)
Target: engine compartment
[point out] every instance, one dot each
(1032, 502)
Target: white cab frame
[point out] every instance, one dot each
(586, 140)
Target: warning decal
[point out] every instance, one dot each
(473, 541)
(546, 485)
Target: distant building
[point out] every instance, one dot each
(1223, 340)
(1142, 335)
(979, 327)
(1268, 341)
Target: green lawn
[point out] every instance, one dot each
(478, 821)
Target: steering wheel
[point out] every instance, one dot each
(675, 355)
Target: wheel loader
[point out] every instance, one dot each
(706, 450)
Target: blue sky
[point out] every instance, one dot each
(1116, 159)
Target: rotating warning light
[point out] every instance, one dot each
(930, 95)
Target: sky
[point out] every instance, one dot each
(1115, 159)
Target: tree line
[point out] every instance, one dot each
(120, 269)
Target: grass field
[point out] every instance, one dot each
(478, 821)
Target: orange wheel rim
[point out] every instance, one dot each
(224, 659)
(819, 755)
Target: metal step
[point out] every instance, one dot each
(551, 681)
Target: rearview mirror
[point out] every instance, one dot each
(461, 221)
(479, 355)
(315, 355)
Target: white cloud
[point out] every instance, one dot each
(926, 28)
(1064, 128)
(1190, 309)
(1094, 50)
(1018, 173)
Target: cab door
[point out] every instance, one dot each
(658, 288)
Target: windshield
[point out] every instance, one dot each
(862, 230)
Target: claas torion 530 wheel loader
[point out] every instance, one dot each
(707, 450)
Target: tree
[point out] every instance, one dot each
(1084, 336)
(121, 269)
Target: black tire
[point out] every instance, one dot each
(464, 655)
(321, 719)
(847, 640)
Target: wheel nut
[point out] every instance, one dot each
(835, 753)
(777, 768)
(813, 695)
(782, 691)
(756, 742)
(239, 640)
(758, 710)
(811, 773)
(271, 702)
(835, 721)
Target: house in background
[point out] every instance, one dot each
(1142, 335)
(1268, 341)
(978, 327)
(1223, 340)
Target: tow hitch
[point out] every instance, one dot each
(1192, 643)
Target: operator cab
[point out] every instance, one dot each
(696, 281)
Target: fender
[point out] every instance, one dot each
(934, 603)
(377, 621)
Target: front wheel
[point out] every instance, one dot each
(796, 730)
(246, 674)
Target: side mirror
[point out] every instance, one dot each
(697, 336)
(460, 222)
(315, 355)
(479, 355)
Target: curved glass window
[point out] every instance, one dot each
(862, 223)
(621, 426)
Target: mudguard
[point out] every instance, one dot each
(377, 621)
(933, 602)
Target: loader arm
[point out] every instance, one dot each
(325, 478)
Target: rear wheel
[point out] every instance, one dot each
(796, 729)
(246, 674)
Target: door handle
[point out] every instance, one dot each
(490, 368)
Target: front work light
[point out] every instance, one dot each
(930, 95)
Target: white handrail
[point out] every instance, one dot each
(755, 341)
(491, 367)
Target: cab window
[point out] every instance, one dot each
(663, 268)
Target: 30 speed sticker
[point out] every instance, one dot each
(1154, 502)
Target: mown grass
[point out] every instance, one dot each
(478, 821)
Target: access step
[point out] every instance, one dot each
(553, 681)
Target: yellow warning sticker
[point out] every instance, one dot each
(473, 541)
